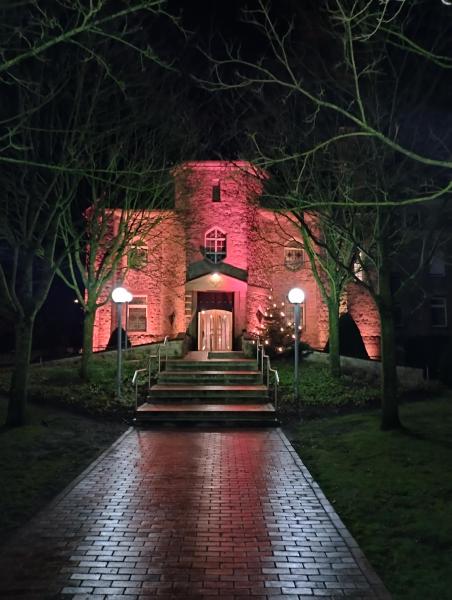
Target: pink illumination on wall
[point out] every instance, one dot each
(224, 195)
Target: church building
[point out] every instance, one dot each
(216, 263)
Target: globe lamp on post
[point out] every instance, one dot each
(119, 296)
(296, 297)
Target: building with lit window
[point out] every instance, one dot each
(216, 261)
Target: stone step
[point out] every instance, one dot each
(200, 414)
(220, 393)
(210, 377)
(235, 354)
(218, 364)
(221, 388)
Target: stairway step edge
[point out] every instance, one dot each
(208, 388)
(212, 372)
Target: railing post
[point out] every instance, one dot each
(135, 383)
(149, 371)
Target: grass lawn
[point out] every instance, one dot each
(392, 489)
(37, 461)
(58, 384)
(319, 389)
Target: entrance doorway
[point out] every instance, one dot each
(215, 330)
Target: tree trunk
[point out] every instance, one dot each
(389, 402)
(87, 352)
(17, 405)
(333, 326)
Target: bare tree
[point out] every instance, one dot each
(376, 244)
(357, 47)
(102, 247)
(353, 86)
(330, 252)
(48, 99)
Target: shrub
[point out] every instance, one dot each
(317, 388)
(59, 385)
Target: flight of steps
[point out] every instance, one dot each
(219, 388)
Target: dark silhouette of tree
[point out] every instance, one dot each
(50, 86)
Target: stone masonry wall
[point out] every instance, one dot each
(256, 242)
(269, 237)
(161, 282)
(363, 310)
(238, 188)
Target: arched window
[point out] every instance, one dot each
(215, 245)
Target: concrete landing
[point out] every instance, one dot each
(196, 355)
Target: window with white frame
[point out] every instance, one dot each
(289, 313)
(437, 266)
(137, 314)
(215, 245)
(293, 256)
(137, 256)
(438, 311)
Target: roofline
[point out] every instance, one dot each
(227, 165)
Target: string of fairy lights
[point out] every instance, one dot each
(276, 326)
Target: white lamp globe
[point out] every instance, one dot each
(120, 295)
(296, 296)
(129, 296)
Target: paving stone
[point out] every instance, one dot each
(224, 514)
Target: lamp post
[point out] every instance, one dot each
(126, 328)
(119, 296)
(296, 297)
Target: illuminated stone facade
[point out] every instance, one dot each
(219, 250)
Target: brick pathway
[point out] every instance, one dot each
(189, 514)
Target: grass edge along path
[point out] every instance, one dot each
(393, 490)
(39, 460)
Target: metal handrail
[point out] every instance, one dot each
(159, 352)
(135, 383)
(276, 376)
(158, 356)
(260, 356)
(148, 369)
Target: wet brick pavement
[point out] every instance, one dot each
(189, 514)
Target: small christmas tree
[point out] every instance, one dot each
(276, 329)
